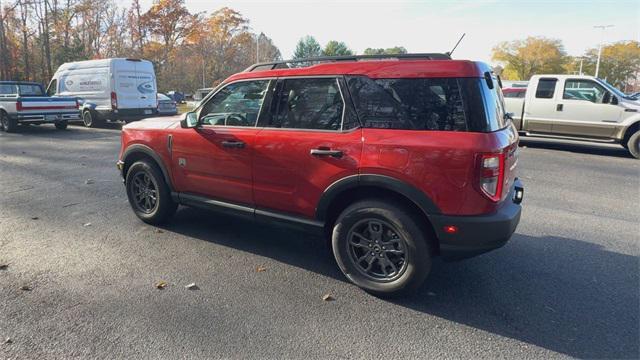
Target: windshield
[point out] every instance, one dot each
(614, 90)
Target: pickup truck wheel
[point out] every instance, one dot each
(148, 193)
(381, 247)
(61, 125)
(633, 145)
(7, 124)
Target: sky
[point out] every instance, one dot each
(434, 26)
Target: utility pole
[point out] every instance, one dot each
(258, 46)
(603, 27)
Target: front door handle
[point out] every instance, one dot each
(326, 152)
(233, 144)
(559, 107)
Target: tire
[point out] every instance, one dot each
(61, 125)
(143, 205)
(91, 119)
(633, 144)
(7, 123)
(400, 259)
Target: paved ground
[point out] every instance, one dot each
(566, 285)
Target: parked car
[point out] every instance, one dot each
(514, 92)
(577, 106)
(166, 106)
(177, 96)
(109, 89)
(24, 102)
(394, 161)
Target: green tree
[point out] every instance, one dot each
(336, 48)
(619, 62)
(307, 47)
(534, 55)
(388, 51)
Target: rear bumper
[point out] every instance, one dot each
(40, 118)
(479, 234)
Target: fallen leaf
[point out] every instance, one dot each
(8, 341)
(159, 231)
(261, 268)
(328, 297)
(192, 286)
(35, 218)
(89, 181)
(87, 224)
(25, 288)
(161, 285)
(4, 266)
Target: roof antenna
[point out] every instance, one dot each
(458, 43)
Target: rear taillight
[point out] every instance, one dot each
(492, 175)
(114, 101)
(18, 105)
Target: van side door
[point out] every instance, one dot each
(585, 110)
(540, 105)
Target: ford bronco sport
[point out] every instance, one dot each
(395, 158)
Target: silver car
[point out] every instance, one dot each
(166, 106)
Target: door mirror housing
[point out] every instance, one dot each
(190, 120)
(614, 100)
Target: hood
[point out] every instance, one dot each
(630, 104)
(164, 122)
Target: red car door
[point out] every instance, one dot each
(215, 159)
(310, 139)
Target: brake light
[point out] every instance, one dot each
(114, 100)
(492, 175)
(19, 106)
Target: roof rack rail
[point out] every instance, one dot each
(308, 61)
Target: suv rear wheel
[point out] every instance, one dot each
(148, 193)
(6, 123)
(633, 145)
(381, 247)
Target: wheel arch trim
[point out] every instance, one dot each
(418, 197)
(146, 150)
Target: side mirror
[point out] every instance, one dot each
(190, 120)
(614, 100)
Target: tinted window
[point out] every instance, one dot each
(453, 104)
(514, 94)
(237, 104)
(584, 90)
(309, 104)
(7, 89)
(546, 88)
(30, 90)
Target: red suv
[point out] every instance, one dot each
(395, 159)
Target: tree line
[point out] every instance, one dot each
(619, 61)
(189, 50)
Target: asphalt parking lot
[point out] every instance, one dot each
(566, 285)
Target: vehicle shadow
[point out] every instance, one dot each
(561, 294)
(576, 147)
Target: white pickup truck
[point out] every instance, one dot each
(26, 103)
(578, 107)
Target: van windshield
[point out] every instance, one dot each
(440, 104)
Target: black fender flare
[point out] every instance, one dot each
(140, 148)
(418, 197)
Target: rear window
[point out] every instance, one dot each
(444, 104)
(30, 90)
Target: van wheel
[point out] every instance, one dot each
(381, 247)
(61, 125)
(148, 193)
(7, 124)
(90, 119)
(633, 144)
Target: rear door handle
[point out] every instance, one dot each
(559, 107)
(326, 152)
(233, 144)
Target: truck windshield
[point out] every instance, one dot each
(30, 90)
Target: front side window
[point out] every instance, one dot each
(237, 104)
(546, 88)
(584, 90)
(314, 104)
(30, 90)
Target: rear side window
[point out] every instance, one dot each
(445, 104)
(546, 88)
(7, 89)
(314, 104)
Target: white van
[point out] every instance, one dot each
(108, 89)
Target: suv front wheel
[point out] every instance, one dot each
(148, 193)
(381, 247)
